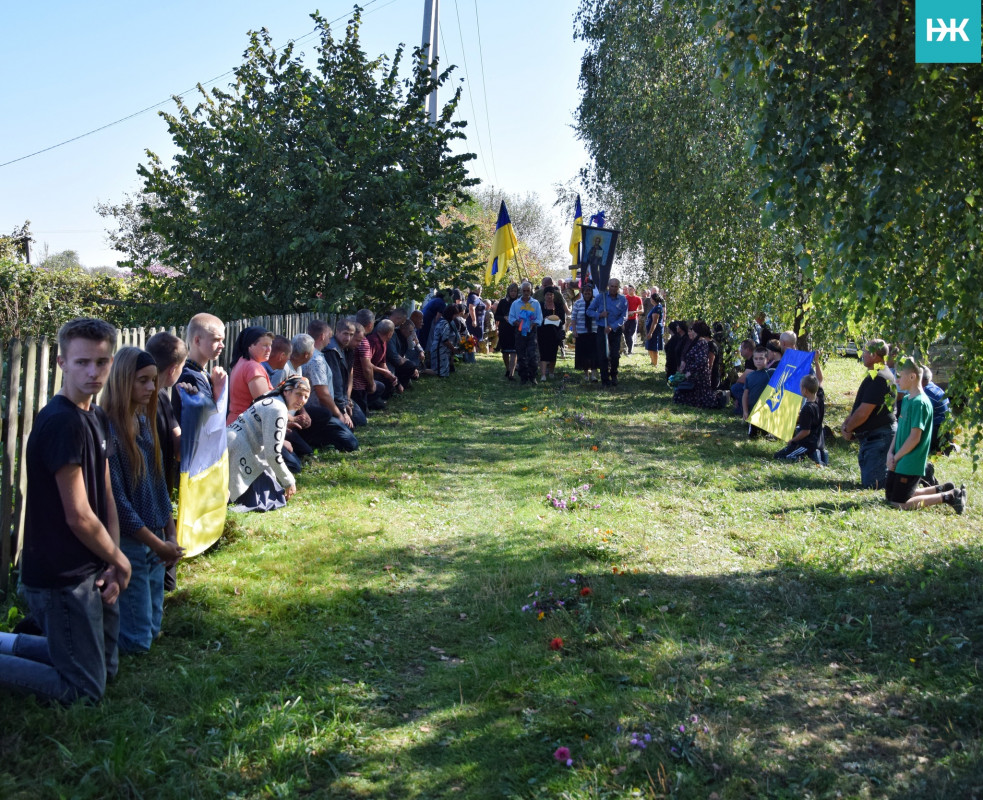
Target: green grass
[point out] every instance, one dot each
(368, 641)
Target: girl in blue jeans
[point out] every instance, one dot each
(143, 505)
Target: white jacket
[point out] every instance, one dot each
(256, 445)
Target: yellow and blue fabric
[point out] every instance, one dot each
(576, 236)
(778, 407)
(204, 488)
(503, 247)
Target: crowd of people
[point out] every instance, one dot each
(100, 542)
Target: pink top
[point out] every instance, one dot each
(240, 397)
(359, 381)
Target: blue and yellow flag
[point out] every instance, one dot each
(503, 247)
(203, 494)
(778, 407)
(577, 235)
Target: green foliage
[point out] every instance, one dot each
(884, 153)
(301, 183)
(672, 150)
(35, 301)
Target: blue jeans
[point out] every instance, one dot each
(358, 416)
(141, 606)
(874, 446)
(76, 654)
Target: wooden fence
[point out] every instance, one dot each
(30, 376)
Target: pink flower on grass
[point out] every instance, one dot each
(563, 754)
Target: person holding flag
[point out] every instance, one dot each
(525, 316)
(609, 310)
(576, 237)
(503, 247)
(777, 409)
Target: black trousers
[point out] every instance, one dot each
(610, 359)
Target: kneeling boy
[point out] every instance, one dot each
(908, 457)
(808, 441)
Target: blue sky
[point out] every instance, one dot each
(70, 67)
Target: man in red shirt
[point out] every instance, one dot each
(378, 343)
(631, 322)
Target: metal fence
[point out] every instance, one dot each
(30, 376)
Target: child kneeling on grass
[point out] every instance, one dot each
(143, 504)
(908, 457)
(808, 441)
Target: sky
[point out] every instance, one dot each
(68, 68)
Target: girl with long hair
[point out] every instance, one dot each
(143, 504)
(259, 479)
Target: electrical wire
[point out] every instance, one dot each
(481, 57)
(467, 80)
(170, 99)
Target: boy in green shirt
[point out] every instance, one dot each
(907, 459)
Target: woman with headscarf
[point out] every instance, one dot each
(248, 378)
(678, 331)
(444, 340)
(697, 370)
(259, 479)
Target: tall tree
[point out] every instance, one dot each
(886, 153)
(300, 182)
(672, 152)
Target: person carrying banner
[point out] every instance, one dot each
(872, 421)
(609, 309)
(525, 316)
(908, 457)
(808, 440)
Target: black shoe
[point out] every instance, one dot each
(510, 377)
(958, 499)
(614, 381)
(948, 486)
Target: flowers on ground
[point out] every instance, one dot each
(563, 754)
(569, 500)
(567, 596)
(556, 644)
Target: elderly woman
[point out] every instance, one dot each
(259, 479)
(584, 335)
(697, 368)
(444, 341)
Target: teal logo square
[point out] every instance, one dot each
(947, 31)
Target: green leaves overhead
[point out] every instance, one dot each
(300, 182)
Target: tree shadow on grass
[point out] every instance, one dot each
(419, 676)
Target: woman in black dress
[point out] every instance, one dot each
(551, 332)
(506, 333)
(585, 356)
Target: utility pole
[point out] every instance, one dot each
(431, 33)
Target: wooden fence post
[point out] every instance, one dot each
(9, 459)
(27, 423)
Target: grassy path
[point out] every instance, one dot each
(730, 628)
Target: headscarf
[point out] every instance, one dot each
(291, 383)
(245, 340)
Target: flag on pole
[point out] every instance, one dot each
(778, 407)
(503, 247)
(204, 489)
(576, 236)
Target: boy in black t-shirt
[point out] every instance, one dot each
(808, 441)
(73, 568)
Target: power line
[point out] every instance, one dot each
(467, 80)
(170, 99)
(491, 147)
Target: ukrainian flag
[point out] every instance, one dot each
(577, 236)
(203, 494)
(503, 247)
(777, 410)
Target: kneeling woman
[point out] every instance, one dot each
(258, 477)
(143, 504)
